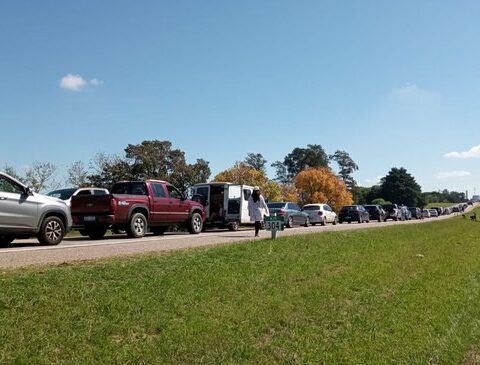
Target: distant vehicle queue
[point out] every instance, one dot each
(138, 207)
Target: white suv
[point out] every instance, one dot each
(320, 213)
(24, 214)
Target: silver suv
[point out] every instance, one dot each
(24, 213)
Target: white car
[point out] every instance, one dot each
(320, 213)
(66, 194)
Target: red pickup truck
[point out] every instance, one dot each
(136, 207)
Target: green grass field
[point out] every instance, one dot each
(406, 294)
(430, 205)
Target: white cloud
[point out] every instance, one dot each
(473, 152)
(77, 82)
(411, 94)
(452, 174)
(72, 82)
(96, 82)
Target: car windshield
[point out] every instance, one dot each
(370, 208)
(276, 205)
(349, 208)
(311, 207)
(63, 194)
(389, 207)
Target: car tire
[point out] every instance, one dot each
(335, 221)
(379, 219)
(52, 231)
(233, 226)
(313, 224)
(96, 233)
(324, 221)
(307, 222)
(158, 231)
(83, 232)
(290, 222)
(360, 221)
(137, 226)
(195, 225)
(6, 240)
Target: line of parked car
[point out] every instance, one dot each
(138, 207)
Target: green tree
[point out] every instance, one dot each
(150, 160)
(299, 159)
(400, 187)
(256, 161)
(346, 168)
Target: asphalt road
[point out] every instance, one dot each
(28, 252)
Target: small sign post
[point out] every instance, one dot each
(273, 224)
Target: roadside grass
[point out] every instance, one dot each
(406, 294)
(443, 205)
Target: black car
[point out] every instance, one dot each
(416, 212)
(352, 213)
(376, 212)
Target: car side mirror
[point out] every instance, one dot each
(28, 191)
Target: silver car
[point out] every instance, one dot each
(24, 214)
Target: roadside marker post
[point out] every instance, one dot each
(273, 224)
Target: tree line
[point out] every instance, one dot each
(305, 175)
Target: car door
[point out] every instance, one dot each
(297, 214)
(161, 205)
(328, 213)
(18, 210)
(178, 208)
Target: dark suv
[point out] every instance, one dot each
(352, 213)
(376, 212)
(416, 212)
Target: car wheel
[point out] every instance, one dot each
(83, 232)
(96, 233)
(379, 219)
(313, 224)
(307, 222)
(158, 231)
(52, 231)
(335, 221)
(324, 221)
(233, 226)
(6, 240)
(360, 220)
(290, 222)
(196, 224)
(137, 227)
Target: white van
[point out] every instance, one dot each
(226, 204)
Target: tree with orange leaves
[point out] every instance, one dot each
(241, 173)
(321, 185)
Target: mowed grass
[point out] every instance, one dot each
(406, 294)
(443, 205)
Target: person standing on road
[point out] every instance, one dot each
(257, 209)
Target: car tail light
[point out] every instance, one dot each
(113, 205)
(281, 212)
(320, 213)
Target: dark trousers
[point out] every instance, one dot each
(258, 225)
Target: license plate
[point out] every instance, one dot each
(89, 218)
(347, 217)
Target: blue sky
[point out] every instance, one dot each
(392, 83)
